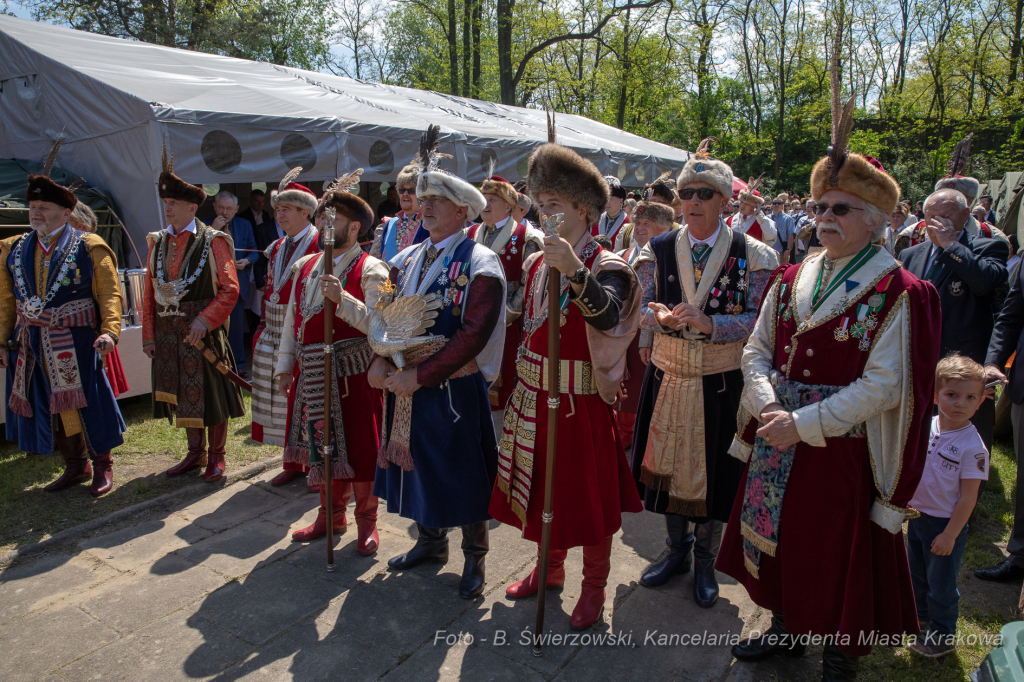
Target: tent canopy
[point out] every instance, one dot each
(235, 121)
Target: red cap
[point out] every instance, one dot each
(874, 162)
(300, 188)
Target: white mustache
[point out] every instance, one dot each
(831, 226)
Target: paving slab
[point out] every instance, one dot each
(267, 602)
(45, 640)
(398, 612)
(235, 552)
(29, 587)
(313, 652)
(129, 548)
(643, 534)
(350, 567)
(508, 554)
(132, 603)
(461, 662)
(231, 506)
(294, 490)
(296, 513)
(181, 647)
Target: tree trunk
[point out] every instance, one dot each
(1015, 44)
(505, 73)
(453, 49)
(467, 47)
(620, 117)
(478, 10)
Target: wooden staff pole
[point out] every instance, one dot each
(328, 269)
(554, 329)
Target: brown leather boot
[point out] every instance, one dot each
(366, 518)
(76, 461)
(102, 474)
(218, 442)
(196, 456)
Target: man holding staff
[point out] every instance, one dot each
(599, 307)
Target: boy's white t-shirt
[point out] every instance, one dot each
(952, 456)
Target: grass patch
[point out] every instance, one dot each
(150, 447)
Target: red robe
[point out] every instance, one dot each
(512, 264)
(835, 571)
(593, 483)
(361, 405)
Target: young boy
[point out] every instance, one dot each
(957, 464)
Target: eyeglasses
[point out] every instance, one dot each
(837, 209)
(704, 193)
(431, 201)
(776, 203)
(406, 190)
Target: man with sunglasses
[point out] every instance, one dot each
(701, 286)
(834, 425)
(970, 275)
(406, 228)
(784, 226)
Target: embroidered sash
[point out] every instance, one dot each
(769, 471)
(178, 366)
(519, 429)
(59, 356)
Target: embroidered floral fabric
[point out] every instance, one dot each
(769, 471)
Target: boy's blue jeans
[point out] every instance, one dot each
(938, 599)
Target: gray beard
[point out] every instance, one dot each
(833, 226)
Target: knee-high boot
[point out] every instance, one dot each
(431, 547)
(705, 551)
(103, 474)
(596, 566)
(76, 461)
(474, 549)
(341, 492)
(366, 518)
(218, 449)
(196, 456)
(678, 561)
(530, 585)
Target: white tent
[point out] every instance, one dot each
(234, 121)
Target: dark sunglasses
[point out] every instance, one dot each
(776, 203)
(406, 190)
(704, 193)
(837, 209)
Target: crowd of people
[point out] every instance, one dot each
(826, 364)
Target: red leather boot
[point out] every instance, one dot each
(596, 565)
(341, 492)
(218, 442)
(76, 461)
(530, 585)
(285, 477)
(102, 474)
(196, 456)
(366, 518)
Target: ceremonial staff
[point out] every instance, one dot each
(554, 382)
(328, 262)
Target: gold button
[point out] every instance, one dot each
(788, 349)
(810, 352)
(785, 368)
(807, 372)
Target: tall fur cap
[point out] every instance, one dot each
(456, 190)
(969, 187)
(352, 207)
(555, 169)
(659, 214)
(500, 187)
(716, 173)
(173, 187)
(859, 177)
(42, 188)
(295, 195)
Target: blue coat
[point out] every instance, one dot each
(241, 233)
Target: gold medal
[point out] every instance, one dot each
(842, 334)
(456, 311)
(462, 280)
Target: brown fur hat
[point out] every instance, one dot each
(555, 169)
(659, 214)
(861, 178)
(173, 187)
(408, 175)
(350, 206)
(502, 188)
(42, 188)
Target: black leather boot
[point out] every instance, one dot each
(678, 561)
(837, 666)
(774, 642)
(705, 551)
(474, 548)
(431, 547)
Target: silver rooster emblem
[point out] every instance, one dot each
(397, 326)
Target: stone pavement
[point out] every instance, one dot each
(215, 589)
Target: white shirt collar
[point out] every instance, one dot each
(191, 228)
(443, 243)
(710, 241)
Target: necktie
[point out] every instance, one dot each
(936, 265)
(289, 248)
(428, 260)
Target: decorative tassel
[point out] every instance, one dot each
(20, 406)
(296, 454)
(763, 544)
(64, 401)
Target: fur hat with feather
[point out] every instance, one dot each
(702, 168)
(839, 169)
(499, 187)
(173, 187)
(434, 182)
(339, 196)
(292, 193)
(42, 188)
(554, 169)
(967, 186)
(752, 194)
